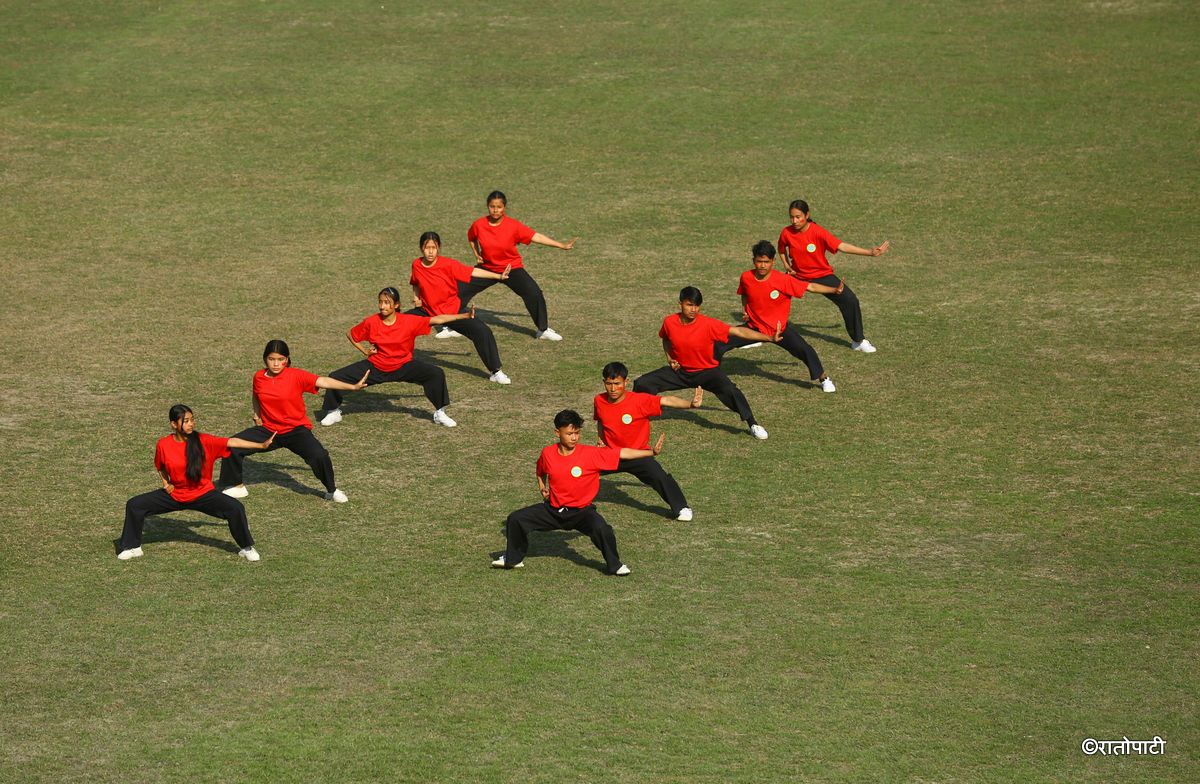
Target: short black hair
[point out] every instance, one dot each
(763, 248)
(691, 294)
(567, 417)
(614, 370)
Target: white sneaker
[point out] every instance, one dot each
(133, 552)
(624, 570)
(827, 385)
(499, 564)
(500, 377)
(751, 345)
(548, 334)
(332, 418)
(250, 554)
(685, 514)
(759, 432)
(237, 491)
(442, 418)
(864, 346)
(337, 496)
(447, 333)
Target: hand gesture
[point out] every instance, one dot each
(545, 490)
(570, 244)
(170, 488)
(471, 312)
(674, 365)
(841, 286)
(416, 301)
(658, 445)
(698, 397)
(257, 419)
(362, 382)
(507, 270)
(369, 350)
(879, 250)
(778, 336)
(267, 443)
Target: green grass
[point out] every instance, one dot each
(979, 552)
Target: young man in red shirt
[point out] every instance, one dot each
(803, 246)
(689, 338)
(767, 301)
(568, 475)
(623, 419)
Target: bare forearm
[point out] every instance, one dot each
(750, 334)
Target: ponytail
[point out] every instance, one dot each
(193, 449)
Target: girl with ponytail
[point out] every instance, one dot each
(184, 462)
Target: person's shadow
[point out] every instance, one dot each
(740, 366)
(372, 400)
(806, 331)
(690, 414)
(492, 319)
(259, 471)
(612, 491)
(174, 529)
(439, 358)
(553, 544)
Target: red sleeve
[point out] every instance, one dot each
(605, 458)
(651, 405)
(159, 463)
(472, 233)
(742, 284)
(523, 233)
(362, 330)
(412, 276)
(542, 468)
(461, 271)
(423, 327)
(833, 242)
(781, 245)
(662, 331)
(215, 445)
(307, 382)
(719, 330)
(796, 288)
(596, 408)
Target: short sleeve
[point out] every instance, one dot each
(651, 405)
(662, 331)
(741, 289)
(543, 467)
(606, 458)
(361, 331)
(461, 271)
(596, 408)
(421, 325)
(719, 330)
(831, 242)
(472, 232)
(159, 463)
(307, 382)
(793, 287)
(214, 445)
(524, 234)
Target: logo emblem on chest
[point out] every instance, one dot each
(811, 248)
(576, 471)
(627, 419)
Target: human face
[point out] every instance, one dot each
(799, 219)
(495, 210)
(430, 251)
(615, 387)
(387, 306)
(275, 363)
(568, 437)
(184, 426)
(763, 266)
(688, 310)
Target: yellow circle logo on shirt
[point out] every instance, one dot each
(576, 471)
(775, 294)
(811, 248)
(627, 419)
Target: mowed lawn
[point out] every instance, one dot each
(979, 552)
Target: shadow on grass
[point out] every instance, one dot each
(690, 414)
(439, 358)
(261, 471)
(742, 366)
(807, 331)
(370, 401)
(492, 319)
(173, 529)
(553, 544)
(611, 491)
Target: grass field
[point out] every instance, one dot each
(980, 551)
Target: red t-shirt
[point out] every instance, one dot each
(575, 478)
(438, 285)
(170, 456)
(769, 301)
(807, 249)
(394, 342)
(499, 243)
(281, 398)
(692, 344)
(626, 423)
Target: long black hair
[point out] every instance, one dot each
(277, 347)
(194, 450)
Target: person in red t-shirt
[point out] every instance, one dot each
(277, 402)
(568, 475)
(767, 302)
(184, 462)
(803, 246)
(690, 338)
(623, 419)
(494, 238)
(389, 337)
(436, 283)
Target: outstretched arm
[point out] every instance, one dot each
(754, 334)
(670, 401)
(821, 288)
(878, 250)
(634, 454)
(542, 239)
(325, 382)
(241, 443)
(445, 318)
(488, 275)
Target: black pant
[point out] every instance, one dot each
(521, 283)
(651, 473)
(543, 517)
(479, 333)
(792, 342)
(300, 441)
(431, 378)
(212, 503)
(713, 379)
(847, 302)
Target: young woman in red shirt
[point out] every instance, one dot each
(277, 404)
(568, 476)
(184, 462)
(494, 238)
(803, 246)
(767, 300)
(386, 340)
(690, 339)
(436, 282)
